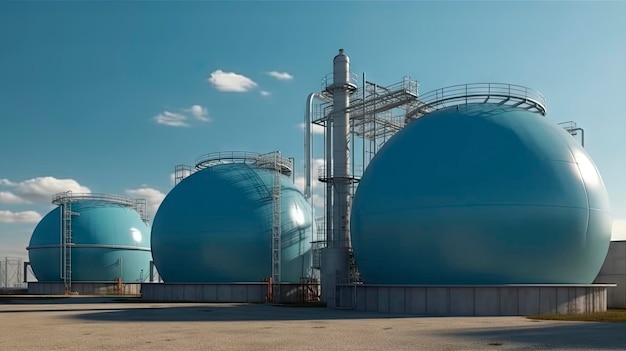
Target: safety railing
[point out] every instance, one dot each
(327, 81)
(354, 175)
(69, 196)
(252, 158)
(498, 93)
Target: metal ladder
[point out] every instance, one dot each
(276, 226)
(66, 215)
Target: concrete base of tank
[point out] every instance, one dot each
(227, 292)
(457, 300)
(613, 271)
(84, 288)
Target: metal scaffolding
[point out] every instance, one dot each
(376, 112)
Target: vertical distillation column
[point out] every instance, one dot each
(341, 89)
(335, 258)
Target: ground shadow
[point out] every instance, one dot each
(544, 336)
(208, 312)
(136, 309)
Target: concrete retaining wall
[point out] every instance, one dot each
(613, 271)
(57, 288)
(499, 300)
(236, 292)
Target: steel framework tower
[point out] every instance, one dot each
(352, 119)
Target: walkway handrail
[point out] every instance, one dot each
(502, 93)
(252, 158)
(327, 81)
(69, 196)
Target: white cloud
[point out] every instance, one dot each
(6, 182)
(619, 229)
(280, 75)
(265, 93)
(153, 197)
(315, 128)
(171, 119)
(19, 217)
(231, 82)
(182, 116)
(41, 189)
(199, 112)
(8, 197)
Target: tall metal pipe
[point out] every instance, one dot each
(308, 149)
(308, 143)
(582, 135)
(329, 184)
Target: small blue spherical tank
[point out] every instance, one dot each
(109, 241)
(481, 194)
(216, 226)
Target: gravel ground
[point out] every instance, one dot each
(105, 323)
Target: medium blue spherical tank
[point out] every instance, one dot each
(109, 241)
(481, 194)
(216, 226)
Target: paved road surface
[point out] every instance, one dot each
(105, 323)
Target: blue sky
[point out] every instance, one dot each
(110, 96)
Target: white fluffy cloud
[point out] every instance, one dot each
(280, 75)
(171, 119)
(315, 128)
(6, 182)
(153, 197)
(182, 118)
(19, 217)
(8, 197)
(199, 112)
(231, 82)
(265, 93)
(39, 189)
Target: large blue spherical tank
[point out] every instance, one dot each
(216, 226)
(481, 194)
(109, 241)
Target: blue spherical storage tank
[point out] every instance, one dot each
(215, 226)
(109, 241)
(481, 194)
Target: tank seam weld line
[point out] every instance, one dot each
(96, 246)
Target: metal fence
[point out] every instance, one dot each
(12, 274)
